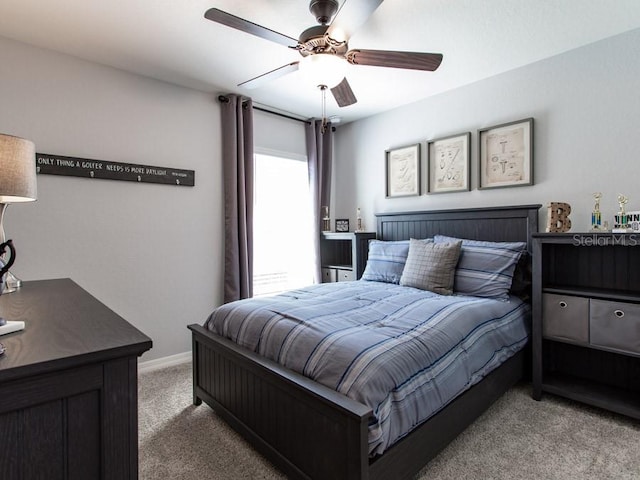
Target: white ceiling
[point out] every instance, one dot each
(170, 40)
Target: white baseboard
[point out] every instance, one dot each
(158, 363)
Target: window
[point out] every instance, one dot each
(282, 225)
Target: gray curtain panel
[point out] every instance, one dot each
(319, 159)
(238, 171)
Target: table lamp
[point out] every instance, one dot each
(17, 184)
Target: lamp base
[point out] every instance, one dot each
(11, 326)
(11, 283)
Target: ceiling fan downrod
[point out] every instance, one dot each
(323, 10)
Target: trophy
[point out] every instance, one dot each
(359, 227)
(596, 215)
(621, 220)
(326, 221)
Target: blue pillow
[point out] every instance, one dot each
(485, 269)
(386, 261)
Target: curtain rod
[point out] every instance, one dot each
(284, 115)
(224, 99)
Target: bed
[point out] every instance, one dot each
(311, 431)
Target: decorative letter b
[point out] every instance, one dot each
(558, 219)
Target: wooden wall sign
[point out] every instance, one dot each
(49, 164)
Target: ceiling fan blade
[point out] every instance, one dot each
(343, 94)
(243, 25)
(352, 14)
(393, 59)
(269, 76)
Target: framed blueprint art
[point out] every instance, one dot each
(448, 163)
(403, 171)
(506, 155)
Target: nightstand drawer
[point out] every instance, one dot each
(615, 325)
(329, 275)
(565, 317)
(346, 275)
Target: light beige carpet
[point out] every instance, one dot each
(517, 438)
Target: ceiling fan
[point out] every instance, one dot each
(328, 42)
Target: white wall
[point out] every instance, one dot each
(586, 109)
(152, 253)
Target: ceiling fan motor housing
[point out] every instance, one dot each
(313, 40)
(323, 10)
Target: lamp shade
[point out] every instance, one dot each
(17, 170)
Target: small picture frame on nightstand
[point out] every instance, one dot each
(342, 224)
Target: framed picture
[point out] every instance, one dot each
(403, 171)
(506, 155)
(448, 164)
(342, 224)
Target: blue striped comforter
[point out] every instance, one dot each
(403, 352)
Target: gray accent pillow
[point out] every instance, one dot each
(431, 266)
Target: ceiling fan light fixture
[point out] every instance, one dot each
(338, 36)
(323, 69)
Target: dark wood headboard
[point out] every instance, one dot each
(495, 224)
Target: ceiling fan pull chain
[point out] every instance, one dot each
(323, 89)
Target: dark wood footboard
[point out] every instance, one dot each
(312, 432)
(307, 430)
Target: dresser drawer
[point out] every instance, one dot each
(565, 317)
(615, 325)
(329, 275)
(346, 275)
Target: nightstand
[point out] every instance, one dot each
(344, 255)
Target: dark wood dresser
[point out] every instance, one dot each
(68, 386)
